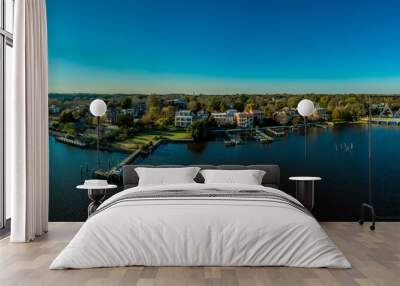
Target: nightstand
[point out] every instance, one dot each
(305, 187)
(96, 193)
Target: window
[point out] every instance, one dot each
(6, 43)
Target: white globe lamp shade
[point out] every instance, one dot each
(98, 107)
(305, 107)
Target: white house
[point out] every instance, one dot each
(202, 115)
(183, 118)
(219, 117)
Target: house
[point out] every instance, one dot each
(282, 117)
(244, 119)
(141, 107)
(202, 115)
(183, 118)
(323, 113)
(54, 109)
(112, 116)
(178, 102)
(133, 111)
(81, 107)
(219, 118)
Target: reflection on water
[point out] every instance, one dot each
(197, 148)
(337, 155)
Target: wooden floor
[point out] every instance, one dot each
(375, 257)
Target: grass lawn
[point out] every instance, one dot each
(140, 139)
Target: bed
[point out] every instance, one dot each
(198, 224)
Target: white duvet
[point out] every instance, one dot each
(193, 231)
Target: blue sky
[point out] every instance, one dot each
(224, 46)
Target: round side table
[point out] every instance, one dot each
(305, 187)
(96, 195)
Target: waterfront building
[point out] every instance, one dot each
(183, 118)
(219, 118)
(230, 116)
(244, 119)
(202, 115)
(112, 116)
(323, 113)
(141, 107)
(258, 115)
(134, 112)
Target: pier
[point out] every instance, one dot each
(324, 126)
(73, 142)
(132, 157)
(383, 120)
(274, 132)
(262, 137)
(231, 141)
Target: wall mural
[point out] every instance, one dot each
(218, 83)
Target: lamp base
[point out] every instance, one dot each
(362, 215)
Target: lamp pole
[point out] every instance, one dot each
(305, 108)
(98, 108)
(369, 206)
(369, 150)
(305, 137)
(98, 142)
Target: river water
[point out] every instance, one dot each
(339, 155)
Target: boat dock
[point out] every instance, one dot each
(383, 120)
(275, 132)
(132, 157)
(231, 141)
(324, 126)
(73, 142)
(262, 137)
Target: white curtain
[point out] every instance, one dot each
(27, 124)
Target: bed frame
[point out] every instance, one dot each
(271, 178)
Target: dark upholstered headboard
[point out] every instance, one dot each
(271, 178)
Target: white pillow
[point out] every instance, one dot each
(248, 177)
(166, 176)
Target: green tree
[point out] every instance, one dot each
(124, 120)
(238, 105)
(222, 107)
(193, 105)
(67, 116)
(324, 101)
(214, 104)
(199, 130)
(168, 112)
(268, 111)
(249, 107)
(69, 128)
(341, 114)
(293, 101)
(163, 123)
(127, 103)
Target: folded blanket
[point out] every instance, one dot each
(205, 194)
